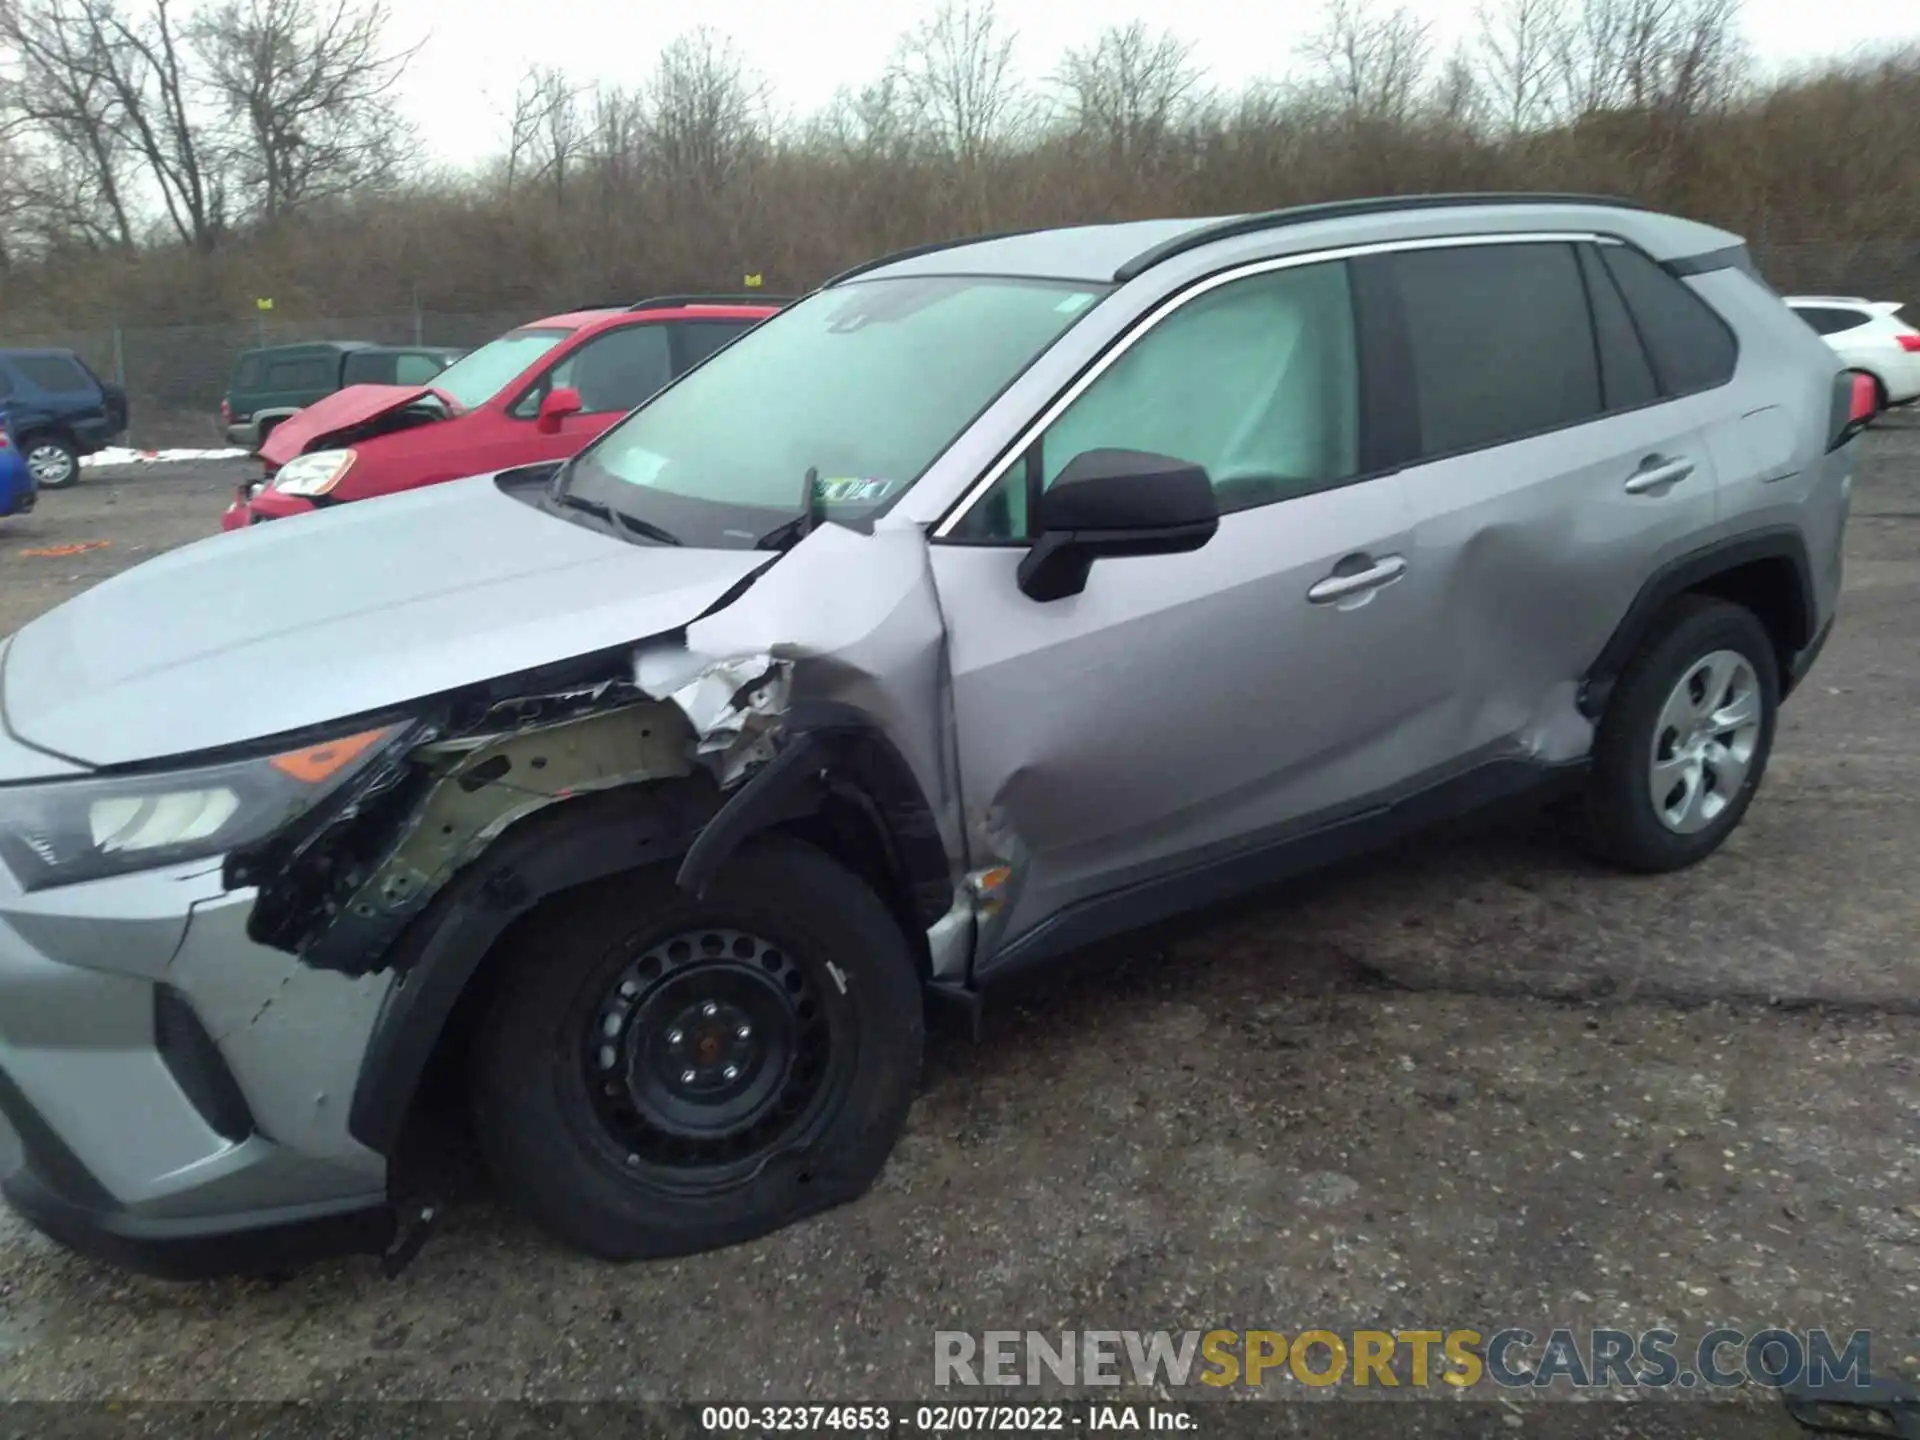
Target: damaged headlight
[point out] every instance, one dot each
(66, 831)
(313, 474)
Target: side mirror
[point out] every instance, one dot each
(1110, 503)
(555, 406)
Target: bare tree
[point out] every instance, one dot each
(1371, 63)
(546, 134)
(140, 66)
(1130, 88)
(71, 162)
(308, 89)
(1514, 53)
(955, 72)
(702, 109)
(1672, 58)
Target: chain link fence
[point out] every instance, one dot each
(176, 374)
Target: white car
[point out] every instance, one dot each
(1868, 336)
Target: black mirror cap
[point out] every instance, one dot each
(1127, 490)
(1113, 503)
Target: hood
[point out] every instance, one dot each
(354, 608)
(340, 411)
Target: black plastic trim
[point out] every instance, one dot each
(1684, 573)
(1344, 210)
(1730, 257)
(552, 850)
(1297, 849)
(785, 786)
(1804, 661)
(56, 1192)
(197, 1067)
(200, 1249)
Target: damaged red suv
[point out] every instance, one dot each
(540, 392)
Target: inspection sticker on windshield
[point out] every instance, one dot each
(1074, 304)
(855, 490)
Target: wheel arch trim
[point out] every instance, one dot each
(1780, 543)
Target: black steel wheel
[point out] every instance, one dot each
(660, 1074)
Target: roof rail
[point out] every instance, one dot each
(1345, 209)
(674, 302)
(932, 247)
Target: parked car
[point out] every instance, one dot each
(990, 601)
(17, 490)
(60, 411)
(536, 393)
(1870, 339)
(271, 383)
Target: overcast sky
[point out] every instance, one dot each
(459, 87)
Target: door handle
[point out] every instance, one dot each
(1343, 587)
(1658, 473)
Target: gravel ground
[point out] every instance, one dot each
(1473, 1083)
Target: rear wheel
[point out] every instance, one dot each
(52, 460)
(1685, 740)
(660, 1075)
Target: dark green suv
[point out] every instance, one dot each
(270, 384)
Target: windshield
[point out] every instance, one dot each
(860, 387)
(477, 377)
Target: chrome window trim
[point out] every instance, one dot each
(1033, 430)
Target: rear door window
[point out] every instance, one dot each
(1501, 342)
(1828, 321)
(55, 373)
(1690, 346)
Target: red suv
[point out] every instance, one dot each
(537, 393)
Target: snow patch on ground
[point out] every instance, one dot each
(121, 455)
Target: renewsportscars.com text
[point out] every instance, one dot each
(1460, 1358)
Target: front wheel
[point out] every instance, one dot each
(1684, 743)
(660, 1074)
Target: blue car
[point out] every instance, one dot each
(17, 490)
(60, 410)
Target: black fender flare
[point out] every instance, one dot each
(553, 850)
(831, 754)
(835, 752)
(1691, 571)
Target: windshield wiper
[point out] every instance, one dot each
(600, 510)
(785, 536)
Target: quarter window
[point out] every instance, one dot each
(1691, 347)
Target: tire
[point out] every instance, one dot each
(612, 1148)
(1624, 824)
(53, 461)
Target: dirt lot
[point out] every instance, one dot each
(1476, 1083)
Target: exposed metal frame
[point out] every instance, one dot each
(1024, 439)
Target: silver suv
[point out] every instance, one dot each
(998, 598)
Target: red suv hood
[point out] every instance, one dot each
(342, 410)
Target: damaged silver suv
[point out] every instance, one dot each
(995, 599)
